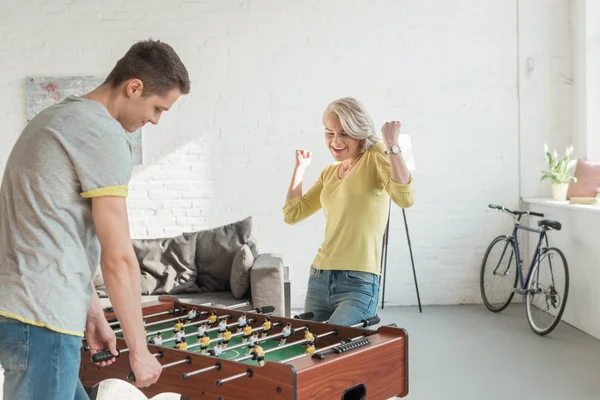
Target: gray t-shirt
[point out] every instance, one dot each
(49, 251)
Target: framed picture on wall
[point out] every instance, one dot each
(42, 92)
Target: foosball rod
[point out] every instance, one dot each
(243, 358)
(248, 373)
(201, 321)
(187, 360)
(164, 321)
(209, 330)
(107, 355)
(370, 321)
(263, 339)
(182, 309)
(299, 356)
(234, 335)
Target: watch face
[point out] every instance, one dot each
(395, 149)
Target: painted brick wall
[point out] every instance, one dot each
(262, 73)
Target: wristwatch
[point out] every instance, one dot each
(394, 149)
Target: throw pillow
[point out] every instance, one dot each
(240, 272)
(168, 264)
(588, 179)
(148, 283)
(215, 250)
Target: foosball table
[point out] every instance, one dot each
(261, 357)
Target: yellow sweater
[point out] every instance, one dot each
(356, 211)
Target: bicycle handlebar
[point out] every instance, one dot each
(518, 213)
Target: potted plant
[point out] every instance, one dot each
(559, 171)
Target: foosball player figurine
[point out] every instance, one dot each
(179, 336)
(226, 337)
(241, 322)
(217, 350)
(192, 314)
(260, 354)
(200, 331)
(182, 345)
(247, 332)
(178, 326)
(286, 331)
(205, 341)
(310, 339)
(222, 327)
(253, 341)
(213, 317)
(158, 340)
(310, 349)
(266, 326)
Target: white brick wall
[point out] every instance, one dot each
(263, 71)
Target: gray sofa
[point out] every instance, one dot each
(220, 265)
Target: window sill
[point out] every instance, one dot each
(545, 201)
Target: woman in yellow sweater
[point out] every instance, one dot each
(353, 192)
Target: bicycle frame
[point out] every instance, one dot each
(538, 250)
(514, 238)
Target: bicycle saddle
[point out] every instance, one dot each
(550, 224)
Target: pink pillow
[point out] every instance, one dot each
(588, 179)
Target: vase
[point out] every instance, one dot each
(559, 191)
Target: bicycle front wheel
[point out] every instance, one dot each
(498, 274)
(547, 291)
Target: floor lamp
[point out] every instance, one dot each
(407, 153)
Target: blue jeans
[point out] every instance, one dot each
(342, 297)
(39, 363)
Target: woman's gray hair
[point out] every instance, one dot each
(355, 120)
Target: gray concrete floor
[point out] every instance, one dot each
(469, 353)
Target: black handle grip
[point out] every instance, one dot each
(131, 377)
(371, 321)
(495, 207)
(307, 315)
(536, 214)
(265, 309)
(347, 345)
(104, 356)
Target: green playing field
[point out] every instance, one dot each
(234, 351)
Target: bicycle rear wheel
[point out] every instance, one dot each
(547, 291)
(498, 274)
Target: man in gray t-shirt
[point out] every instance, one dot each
(62, 206)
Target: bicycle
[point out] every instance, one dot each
(545, 288)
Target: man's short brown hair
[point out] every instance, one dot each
(156, 64)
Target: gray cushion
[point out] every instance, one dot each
(240, 272)
(215, 250)
(168, 264)
(147, 284)
(219, 298)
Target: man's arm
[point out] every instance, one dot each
(120, 267)
(121, 273)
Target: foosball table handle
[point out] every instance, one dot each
(347, 346)
(371, 321)
(265, 309)
(104, 356)
(307, 315)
